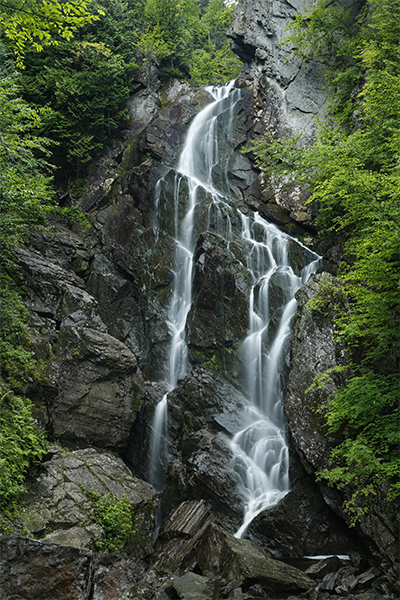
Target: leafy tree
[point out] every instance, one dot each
(188, 37)
(353, 174)
(32, 25)
(213, 61)
(86, 86)
(24, 188)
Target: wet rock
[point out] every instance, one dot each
(219, 314)
(118, 305)
(234, 559)
(313, 351)
(60, 511)
(179, 536)
(210, 475)
(301, 524)
(212, 400)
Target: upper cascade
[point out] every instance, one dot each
(201, 187)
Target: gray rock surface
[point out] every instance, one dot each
(234, 559)
(60, 511)
(313, 351)
(30, 570)
(98, 388)
(296, 92)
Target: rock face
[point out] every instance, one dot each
(294, 92)
(94, 382)
(313, 352)
(60, 509)
(284, 96)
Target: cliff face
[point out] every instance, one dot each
(98, 300)
(294, 92)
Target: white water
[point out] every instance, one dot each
(196, 163)
(260, 449)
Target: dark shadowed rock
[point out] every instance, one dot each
(302, 524)
(313, 351)
(234, 559)
(31, 570)
(179, 536)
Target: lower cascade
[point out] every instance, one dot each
(203, 202)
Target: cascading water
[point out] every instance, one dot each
(197, 161)
(259, 449)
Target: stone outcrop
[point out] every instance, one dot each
(315, 351)
(294, 91)
(60, 510)
(302, 524)
(93, 382)
(242, 560)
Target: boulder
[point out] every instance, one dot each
(98, 392)
(193, 587)
(60, 510)
(31, 570)
(235, 559)
(302, 524)
(179, 536)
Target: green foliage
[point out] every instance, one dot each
(24, 188)
(21, 444)
(352, 173)
(85, 85)
(214, 66)
(116, 517)
(33, 25)
(184, 40)
(18, 367)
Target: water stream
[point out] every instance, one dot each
(260, 450)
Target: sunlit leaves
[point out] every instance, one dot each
(33, 25)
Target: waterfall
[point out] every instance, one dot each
(196, 164)
(260, 450)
